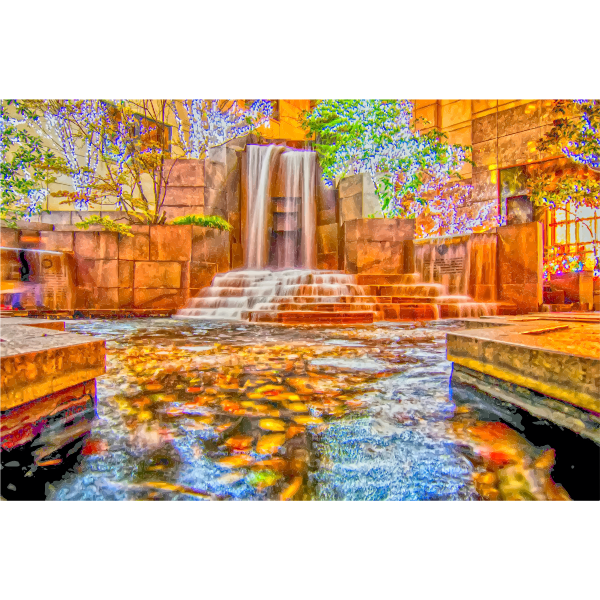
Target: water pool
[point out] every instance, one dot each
(194, 410)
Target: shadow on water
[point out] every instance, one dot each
(577, 462)
(234, 411)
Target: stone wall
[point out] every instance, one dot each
(161, 266)
(502, 133)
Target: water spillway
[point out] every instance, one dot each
(280, 212)
(266, 295)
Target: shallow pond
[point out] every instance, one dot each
(192, 410)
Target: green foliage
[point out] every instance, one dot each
(575, 134)
(26, 166)
(214, 222)
(380, 137)
(107, 223)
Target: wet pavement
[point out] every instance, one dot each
(193, 410)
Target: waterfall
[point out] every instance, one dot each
(296, 173)
(260, 166)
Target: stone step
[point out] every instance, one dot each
(319, 306)
(380, 279)
(420, 290)
(405, 312)
(309, 317)
(431, 299)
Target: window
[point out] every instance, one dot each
(573, 231)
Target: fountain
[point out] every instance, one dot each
(279, 282)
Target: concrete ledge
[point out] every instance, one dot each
(37, 362)
(552, 358)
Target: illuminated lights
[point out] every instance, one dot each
(377, 137)
(212, 123)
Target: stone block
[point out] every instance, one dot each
(478, 106)
(34, 225)
(485, 128)
(136, 247)
(184, 172)
(173, 212)
(96, 273)
(386, 230)
(350, 257)
(379, 257)
(184, 196)
(237, 256)
(57, 217)
(327, 261)
(170, 242)
(576, 287)
(519, 118)
(185, 275)
(215, 175)
(326, 217)
(218, 154)
(159, 298)
(125, 273)
(154, 274)
(485, 186)
(519, 147)
(283, 204)
(57, 241)
(485, 154)
(202, 274)
(215, 202)
(454, 113)
(106, 298)
(125, 297)
(9, 238)
(210, 245)
(96, 245)
(351, 207)
(350, 186)
(40, 365)
(327, 239)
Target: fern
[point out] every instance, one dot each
(213, 222)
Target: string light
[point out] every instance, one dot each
(377, 137)
(212, 124)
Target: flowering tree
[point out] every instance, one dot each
(116, 152)
(26, 165)
(214, 122)
(576, 135)
(379, 137)
(451, 212)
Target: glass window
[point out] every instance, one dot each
(573, 231)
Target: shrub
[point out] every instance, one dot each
(203, 221)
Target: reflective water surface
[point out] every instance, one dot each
(236, 411)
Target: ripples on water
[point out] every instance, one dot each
(208, 410)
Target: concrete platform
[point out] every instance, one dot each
(39, 358)
(558, 360)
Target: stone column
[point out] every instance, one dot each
(520, 266)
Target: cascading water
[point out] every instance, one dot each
(235, 294)
(281, 235)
